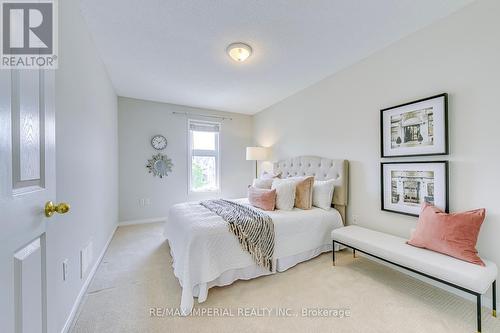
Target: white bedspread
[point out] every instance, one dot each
(203, 249)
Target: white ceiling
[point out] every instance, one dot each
(174, 50)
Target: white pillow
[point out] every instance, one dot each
(263, 183)
(270, 174)
(323, 193)
(285, 193)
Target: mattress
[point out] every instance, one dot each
(206, 254)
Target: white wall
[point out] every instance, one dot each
(87, 161)
(339, 116)
(138, 121)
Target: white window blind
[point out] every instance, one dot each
(204, 126)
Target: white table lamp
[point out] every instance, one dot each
(257, 154)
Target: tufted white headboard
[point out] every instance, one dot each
(322, 169)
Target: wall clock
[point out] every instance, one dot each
(159, 142)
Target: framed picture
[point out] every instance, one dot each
(406, 186)
(415, 129)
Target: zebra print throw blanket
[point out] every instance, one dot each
(253, 228)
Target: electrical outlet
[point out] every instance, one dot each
(355, 219)
(143, 202)
(65, 269)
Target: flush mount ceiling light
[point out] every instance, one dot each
(239, 51)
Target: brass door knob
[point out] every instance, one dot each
(61, 208)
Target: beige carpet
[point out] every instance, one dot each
(136, 275)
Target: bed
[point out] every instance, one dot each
(205, 254)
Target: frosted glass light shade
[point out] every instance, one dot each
(239, 51)
(257, 153)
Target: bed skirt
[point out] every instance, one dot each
(200, 291)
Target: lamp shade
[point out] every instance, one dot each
(257, 153)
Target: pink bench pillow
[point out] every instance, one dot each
(262, 198)
(452, 234)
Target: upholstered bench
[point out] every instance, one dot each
(456, 273)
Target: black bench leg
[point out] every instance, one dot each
(333, 252)
(494, 312)
(479, 313)
(354, 253)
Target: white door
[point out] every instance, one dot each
(27, 182)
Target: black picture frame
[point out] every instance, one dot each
(382, 184)
(383, 153)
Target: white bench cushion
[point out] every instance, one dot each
(395, 249)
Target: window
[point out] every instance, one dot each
(204, 156)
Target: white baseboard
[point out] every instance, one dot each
(486, 301)
(85, 286)
(144, 221)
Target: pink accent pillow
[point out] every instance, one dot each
(452, 234)
(262, 198)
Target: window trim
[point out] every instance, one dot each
(200, 152)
